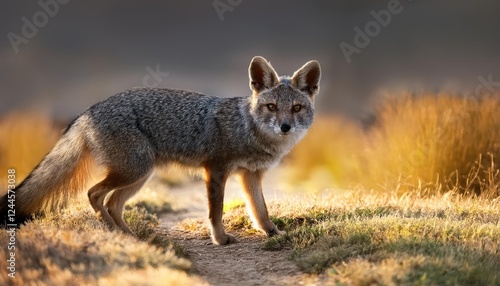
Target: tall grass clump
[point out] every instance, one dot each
(430, 143)
(436, 143)
(330, 154)
(25, 138)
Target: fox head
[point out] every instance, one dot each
(283, 107)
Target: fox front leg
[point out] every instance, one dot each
(252, 185)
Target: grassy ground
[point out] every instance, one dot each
(358, 238)
(73, 247)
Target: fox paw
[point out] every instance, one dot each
(224, 239)
(274, 231)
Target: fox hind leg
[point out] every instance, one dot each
(98, 193)
(118, 199)
(113, 181)
(129, 159)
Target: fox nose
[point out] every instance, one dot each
(285, 127)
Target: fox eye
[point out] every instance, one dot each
(297, 108)
(271, 107)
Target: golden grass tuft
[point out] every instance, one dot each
(74, 247)
(428, 143)
(328, 155)
(25, 138)
(437, 140)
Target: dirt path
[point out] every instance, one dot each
(244, 263)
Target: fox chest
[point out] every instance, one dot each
(254, 164)
(265, 156)
(257, 160)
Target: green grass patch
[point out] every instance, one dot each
(443, 240)
(234, 204)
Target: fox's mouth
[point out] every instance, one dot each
(283, 133)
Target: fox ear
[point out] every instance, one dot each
(262, 75)
(307, 78)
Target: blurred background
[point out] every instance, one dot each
(90, 50)
(59, 57)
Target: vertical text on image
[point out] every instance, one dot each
(11, 222)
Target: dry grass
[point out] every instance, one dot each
(358, 238)
(73, 247)
(438, 140)
(25, 138)
(429, 143)
(329, 155)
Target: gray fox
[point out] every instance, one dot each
(134, 131)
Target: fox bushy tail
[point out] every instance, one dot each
(62, 174)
